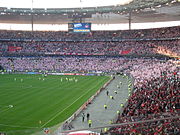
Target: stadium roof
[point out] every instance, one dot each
(61, 3)
(142, 11)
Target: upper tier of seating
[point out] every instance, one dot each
(170, 32)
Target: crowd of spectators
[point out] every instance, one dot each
(170, 47)
(141, 69)
(156, 99)
(66, 64)
(162, 124)
(170, 32)
(155, 96)
(147, 70)
(134, 42)
(159, 95)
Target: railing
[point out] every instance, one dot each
(95, 39)
(162, 125)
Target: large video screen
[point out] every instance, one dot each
(79, 27)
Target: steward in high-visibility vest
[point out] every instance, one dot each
(122, 105)
(110, 122)
(105, 106)
(118, 112)
(111, 97)
(105, 130)
(90, 123)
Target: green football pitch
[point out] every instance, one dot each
(28, 103)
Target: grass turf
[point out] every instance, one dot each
(28, 103)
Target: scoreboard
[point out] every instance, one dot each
(79, 27)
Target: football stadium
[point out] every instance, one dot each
(90, 67)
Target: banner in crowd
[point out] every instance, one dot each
(14, 48)
(125, 52)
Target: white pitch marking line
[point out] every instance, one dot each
(4, 110)
(9, 107)
(17, 126)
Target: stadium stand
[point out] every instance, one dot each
(157, 81)
(146, 48)
(170, 32)
(88, 64)
(157, 98)
(153, 42)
